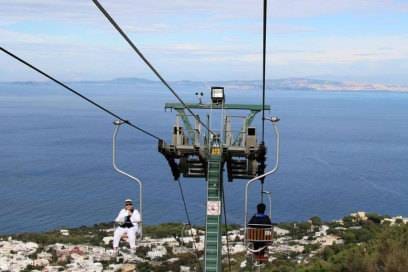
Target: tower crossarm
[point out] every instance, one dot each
(250, 107)
(247, 122)
(186, 123)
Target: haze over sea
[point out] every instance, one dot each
(340, 152)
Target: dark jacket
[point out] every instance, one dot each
(259, 219)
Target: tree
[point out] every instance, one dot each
(316, 221)
(375, 218)
(348, 221)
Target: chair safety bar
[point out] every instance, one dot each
(274, 120)
(259, 233)
(117, 124)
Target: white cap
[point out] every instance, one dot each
(128, 200)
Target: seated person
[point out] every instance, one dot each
(260, 220)
(128, 220)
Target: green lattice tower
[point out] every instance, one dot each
(213, 245)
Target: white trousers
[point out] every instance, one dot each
(131, 234)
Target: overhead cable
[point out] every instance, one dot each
(138, 52)
(184, 202)
(78, 94)
(265, 15)
(189, 223)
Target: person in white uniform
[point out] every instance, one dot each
(128, 220)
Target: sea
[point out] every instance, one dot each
(340, 152)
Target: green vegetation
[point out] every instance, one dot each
(375, 218)
(297, 230)
(368, 247)
(164, 230)
(316, 221)
(82, 235)
(93, 235)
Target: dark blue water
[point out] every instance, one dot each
(341, 152)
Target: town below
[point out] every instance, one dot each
(357, 242)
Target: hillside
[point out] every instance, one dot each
(360, 242)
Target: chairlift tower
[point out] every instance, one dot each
(198, 153)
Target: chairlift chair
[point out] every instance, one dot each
(260, 233)
(139, 234)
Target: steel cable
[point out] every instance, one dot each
(189, 223)
(265, 14)
(78, 94)
(139, 53)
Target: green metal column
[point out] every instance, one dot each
(213, 245)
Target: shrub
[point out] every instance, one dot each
(375, 218)
(316, 221)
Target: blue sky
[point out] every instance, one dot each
(353, 40)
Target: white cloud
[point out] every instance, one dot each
(13, 37)
(178, 32)
(132, 10)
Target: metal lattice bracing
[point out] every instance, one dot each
(187, 154)
(213, 218)
(196, 153)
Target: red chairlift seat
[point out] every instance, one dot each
(260, 233)
(259, 238)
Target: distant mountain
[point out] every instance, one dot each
(299, 84)
(304, 84)
(133, 80)
(326, 85)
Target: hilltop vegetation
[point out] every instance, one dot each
(370, 249)
(363, 242)
(370, 245)
(93, 235)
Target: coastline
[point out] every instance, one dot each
(174, 247)
(285, 84)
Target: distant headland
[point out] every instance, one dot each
(296, 84)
